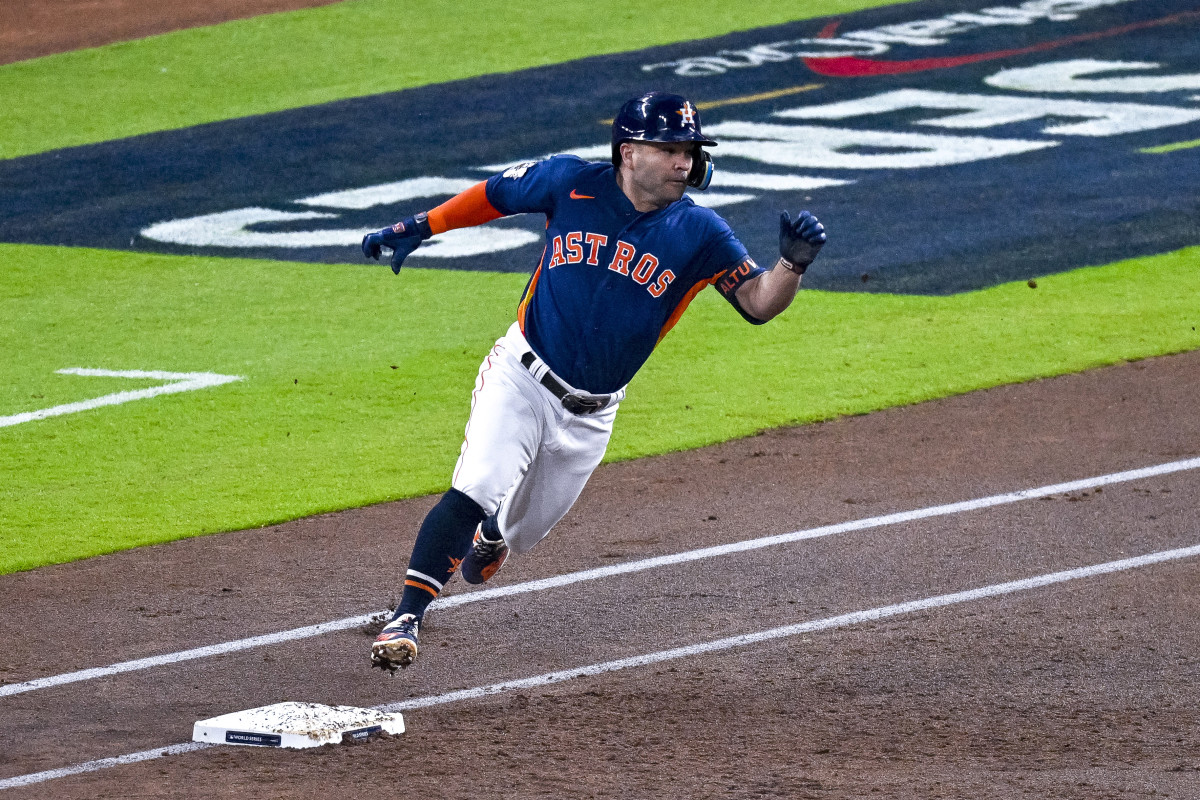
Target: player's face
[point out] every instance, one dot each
(658, 171)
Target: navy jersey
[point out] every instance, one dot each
(612, 280)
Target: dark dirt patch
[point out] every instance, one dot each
(35, 28)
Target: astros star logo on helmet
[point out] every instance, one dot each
(688, 113)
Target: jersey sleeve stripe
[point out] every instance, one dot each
(464, 210)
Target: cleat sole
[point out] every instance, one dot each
(390, 655)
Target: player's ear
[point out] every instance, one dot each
(627, 150)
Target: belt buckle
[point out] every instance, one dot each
(583, 405)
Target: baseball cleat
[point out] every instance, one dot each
(396, 644)
(484, 559)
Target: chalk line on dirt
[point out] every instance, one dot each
(294, 634)
(842, 620)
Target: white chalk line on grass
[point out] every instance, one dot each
(178, 382)
(604, 572)
(704, 648)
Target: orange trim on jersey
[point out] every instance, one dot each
(528, 295)
(420, 585)
(683, 304)
(464, 210)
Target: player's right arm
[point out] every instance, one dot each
(461, 211)
(522, 188)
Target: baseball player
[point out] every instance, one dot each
(626, 252)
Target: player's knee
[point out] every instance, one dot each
(485, 496)
(462, 505)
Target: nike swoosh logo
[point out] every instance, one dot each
(577, 196)
(855, 67)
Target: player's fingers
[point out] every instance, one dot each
(398, 256)
(402, 250)
(802, 219)
(370, 246)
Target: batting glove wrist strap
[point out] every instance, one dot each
(418, 223)
(788, 265)
(401, 238)
(799, 241)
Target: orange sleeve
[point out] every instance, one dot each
(464, 210)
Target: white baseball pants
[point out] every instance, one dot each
(524, 457)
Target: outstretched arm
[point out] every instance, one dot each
(767, 295)
(461, 211)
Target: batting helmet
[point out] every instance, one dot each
(662, 117)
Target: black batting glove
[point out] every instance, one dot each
(402, 238)
(800, 241)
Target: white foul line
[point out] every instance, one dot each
(840, 621)
(102, 763)
(179, 382)
(843, 620)
(604, 572)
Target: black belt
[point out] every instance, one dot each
(575, 403)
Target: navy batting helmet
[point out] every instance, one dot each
(662, 117)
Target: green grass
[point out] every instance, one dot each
(348, 49)
(357, 383)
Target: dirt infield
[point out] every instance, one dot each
(1082, 689)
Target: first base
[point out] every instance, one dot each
(296, 725)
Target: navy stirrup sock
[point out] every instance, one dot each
(443, 540)
(491, 529)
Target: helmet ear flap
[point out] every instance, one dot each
(701, 172)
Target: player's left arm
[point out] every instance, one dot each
(766, 295)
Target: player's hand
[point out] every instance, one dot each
(402, 238)
(800, 241)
